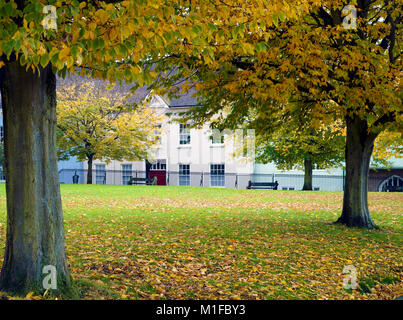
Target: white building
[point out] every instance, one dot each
(191, 157)
(184, 157)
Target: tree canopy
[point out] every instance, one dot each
(112, 40)
(292, 147)
(94, 123)
(94, 35)
(334, 62)
(254, 55)
(388, 145)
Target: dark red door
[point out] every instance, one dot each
(161, 176)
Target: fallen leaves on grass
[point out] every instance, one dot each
(149, 243)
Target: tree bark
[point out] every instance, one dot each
(359, 147)
(89, 171)
(35, 231)
(307, 174)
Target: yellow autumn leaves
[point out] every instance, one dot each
(98, 121)
(145, 29)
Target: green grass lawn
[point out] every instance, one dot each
(151, 242)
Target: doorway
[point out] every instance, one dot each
(158, 169)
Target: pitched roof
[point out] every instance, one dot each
(123, 89)
(179, 101)
(182, 100)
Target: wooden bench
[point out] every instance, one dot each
(145, 181)
(262, 185)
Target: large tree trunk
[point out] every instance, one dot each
(359, 148)
(35, 232)
(89, 171)
(307, 174)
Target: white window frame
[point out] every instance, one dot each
(126, 173)
(215, 142)
(160, 165)
(98, 175)
(217, 180)
(184, 135)
(184, 175)
(158, 134)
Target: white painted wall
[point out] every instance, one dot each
(199, 154)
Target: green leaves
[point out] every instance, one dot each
(8, 9)
(99, 43)
(44, 60)
(260, 47)
(275, 20)
(8, 47)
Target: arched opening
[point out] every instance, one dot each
(392, 184)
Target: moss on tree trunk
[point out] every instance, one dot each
(359, 147)
(35, 231)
